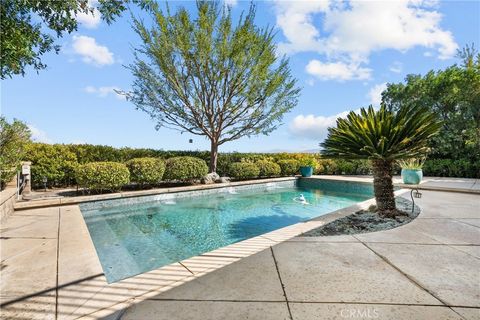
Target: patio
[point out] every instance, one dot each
(426, 269)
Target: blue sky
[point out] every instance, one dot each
(342, 54)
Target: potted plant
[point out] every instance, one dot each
(307, 165)
(412, 170)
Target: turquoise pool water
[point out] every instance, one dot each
(135, 236)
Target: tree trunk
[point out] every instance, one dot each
(383, 187)
(213, 156)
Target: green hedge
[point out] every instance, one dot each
(452, 168)
(288, 167)
(244, 170)
(268, 168)
(185, 169)
(146, 170)
(55, 162)
(100, 176)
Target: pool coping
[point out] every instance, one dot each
(62, 201)
(82, 272)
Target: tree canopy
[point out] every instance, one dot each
(453, 94)
(13, 140)
(29, 28)
(209, 76)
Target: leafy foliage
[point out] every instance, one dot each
(308, 161)
(383, 136)
(29, 28)
(185, 169)
(288, 167)
(244, 170)
(55, 162)
(211, 77)
(13, 139)
(102, 176)
(453, 94)
(268, 168)
(146, 170)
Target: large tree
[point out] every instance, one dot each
(209, 76)
(29, 28)
(382, 136)
(454, 94)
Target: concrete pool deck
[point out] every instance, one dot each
(429, 268)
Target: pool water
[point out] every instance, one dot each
(135, 238)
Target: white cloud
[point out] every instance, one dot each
(103, 92)
(231, 3)
(91, 52)
(92, 19)
(314, 127)
(396, 67)
(347, 32)
(375, 93)
(39, 135)
(337, 71)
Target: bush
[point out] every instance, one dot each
(452, 168)
(185, 169)
(268, 168)
(55, 162)
(308, 161)
(345, 167)
(146, 170)
(101, 176)
(288, 167)
(328, 166)
(13, 140)
(244, 170)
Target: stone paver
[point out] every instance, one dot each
(207, 310)
(315, 311)
(28, 266)
(451, 275)
(472, 222)
(468, 313)
(44, 225)
(474, 251)
(255, 279)
(347, 272)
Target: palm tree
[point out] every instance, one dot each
(383, 136)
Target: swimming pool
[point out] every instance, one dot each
(140, 234)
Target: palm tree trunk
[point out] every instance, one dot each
(383, 187)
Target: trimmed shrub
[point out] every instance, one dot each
(101, 176)
(244, 170)
(268, 168)
(185, 169)
(329, 166)
(146, 170)
(55, 162)
(288, 167)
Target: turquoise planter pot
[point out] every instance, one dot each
(306, 171)
(412, 176)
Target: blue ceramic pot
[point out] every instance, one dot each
(306, 171)
(412, 176)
